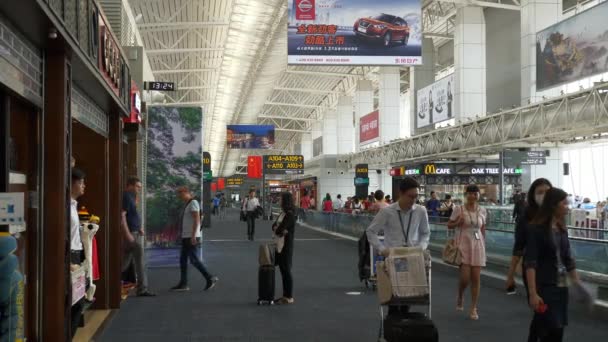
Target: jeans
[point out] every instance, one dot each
(189, 252)
(250, 224)
(135, 252)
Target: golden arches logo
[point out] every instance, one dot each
(430, 169)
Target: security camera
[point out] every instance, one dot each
(53, 33)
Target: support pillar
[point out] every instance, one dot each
(470, 63)
(330, 132)
(420, 77)
(57, 126)
(306, 146)
(390, 119)
(536, 15)
(364, 104)
(116, 185)
(346, 127)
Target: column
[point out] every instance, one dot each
(346, 128)
(114, 248)
(364, 104)
(317, 132)
(420, 77)
(470, 63)
(535, 16)
(390, 120)
(330, 132)
(306, 146)
(56, 292)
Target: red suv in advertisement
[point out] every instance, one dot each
(384, 27)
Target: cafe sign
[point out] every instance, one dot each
(434, 169)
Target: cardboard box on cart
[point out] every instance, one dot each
(402, 275)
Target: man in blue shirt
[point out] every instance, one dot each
(433, 206)
(134, 236)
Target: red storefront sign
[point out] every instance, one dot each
(221, 183)
(369, 127)
(135, 116)
(214, 187)
(396, 171)
(110, 61)
(305, 9)
(254, 167)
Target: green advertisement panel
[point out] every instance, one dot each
(173, 160)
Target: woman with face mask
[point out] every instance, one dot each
(469, 221)
(535, 199)
(548, 262)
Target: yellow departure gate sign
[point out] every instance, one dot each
(234, 181)
(284, 164)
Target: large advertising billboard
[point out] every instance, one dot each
(435, 103)
(250, 136)
(174, 156)
(573, 49)
(369, 128)
(355, 32)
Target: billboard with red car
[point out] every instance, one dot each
(355, 32)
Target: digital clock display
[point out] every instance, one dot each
(160, 86)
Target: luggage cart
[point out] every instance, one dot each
(425, 300)
(374, 257)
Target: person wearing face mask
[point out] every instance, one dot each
(548, 263)
(535, 199)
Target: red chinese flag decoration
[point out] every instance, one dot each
(254, 167)
(214, 187)
(221, 184)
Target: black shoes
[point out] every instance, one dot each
(146, 294)
(211, 283)
(180, 288)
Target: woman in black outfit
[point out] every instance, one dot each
(527, 213)
(548, 261)
(285, 227)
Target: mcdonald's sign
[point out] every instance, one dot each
(433, 169)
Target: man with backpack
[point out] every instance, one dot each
(191, 236)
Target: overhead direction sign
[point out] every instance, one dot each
(284, 164)
(233, 182)
(514, 158)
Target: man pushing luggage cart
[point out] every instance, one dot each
(404, 224)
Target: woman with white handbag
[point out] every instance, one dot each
(469, 221)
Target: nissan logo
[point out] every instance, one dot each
(305, 6)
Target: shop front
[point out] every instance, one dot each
(63, 93)
(452, 179)
(301, 187)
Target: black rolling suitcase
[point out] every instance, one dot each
(266, 285)
(410, 327)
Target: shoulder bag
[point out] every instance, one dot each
(451, 251)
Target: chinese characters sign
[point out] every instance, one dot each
(369, 130)
(435, 103)
(355, 32)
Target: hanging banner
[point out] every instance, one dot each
(572, 49)
(250, 136)
(213, 187)
(221, 184)
(174, 159)
(254, 166)
(355, 32)
(369, 128)
(435, 103)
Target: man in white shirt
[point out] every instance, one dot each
(250, 207)
(191, 237)
(338, 205)
(404, 223)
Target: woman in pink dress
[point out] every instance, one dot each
(469, 221)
